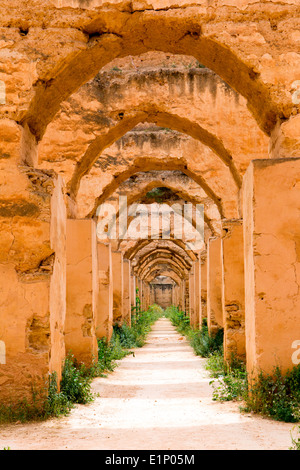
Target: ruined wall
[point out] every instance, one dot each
(33, 304)
(75, 83)
(271, 263)
(163, 295)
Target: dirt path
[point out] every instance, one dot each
(158, 400)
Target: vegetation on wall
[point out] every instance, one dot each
(136, 309)
(275, 395)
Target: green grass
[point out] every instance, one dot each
(179, 319)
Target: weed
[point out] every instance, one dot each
(134, 336)
(48, 402)
(57, 403)
(231, 377)
(276, 395)
(76, 380)
(137, 308)
(199, 65)
(179, 319)
(22, 411)
(201, 340)
(204, 343)
(295, 439)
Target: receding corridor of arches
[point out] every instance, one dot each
(158, 399)
(149, 154)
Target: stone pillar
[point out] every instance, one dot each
(176, 295)
(197, 267)
(192, 297)
(104, 317)
(147, 295)
(203, 286)
(271, 204)
(32, 279)
(233, 289)
(143, 295)
(133, 290)
(118, 288)
(126, 292)
(138, 293)
(187, 295)
(182, 295)
(152, 294)
(57, 295)
(214, 285)
(82, 281)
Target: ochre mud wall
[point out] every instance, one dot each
(97, 104)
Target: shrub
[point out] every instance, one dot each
(204, 343)
(110, 351)
(201, 340)
(76, 382)
(23, 410)
(125, 338)
(179, 319)
(134, 336)
(57, 402)
(295, 440)
(276, 395)
(46, 403)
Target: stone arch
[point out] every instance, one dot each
(110, 36)
(112, 96)
(155, 272)
(229, 206)
(163, 258)
(163, 265)
(192, 234)
(162, 253)
(131, 251)
(181, 186)
(137, 191)
(151, 248)
(163, 119)
(144, 163)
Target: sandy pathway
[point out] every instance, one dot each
(158, 400)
